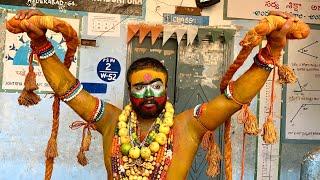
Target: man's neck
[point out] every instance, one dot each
(145, 125)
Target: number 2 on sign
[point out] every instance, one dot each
(108, 67)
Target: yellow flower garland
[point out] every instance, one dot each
(159, 138)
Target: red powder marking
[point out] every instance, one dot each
(147, 77)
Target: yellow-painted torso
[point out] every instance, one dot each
(187, 137)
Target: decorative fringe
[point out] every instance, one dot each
(269, 135)
(228, 149)
(286, 74)
(52, 149)
(49, 168)
(243, 155)
(249, 120)
(30, 82)
(85, 144)
(251, 126)
(269, 131)
(82, 159)
(213, 156)
(86, 139)
(251, 39)
(28, 98)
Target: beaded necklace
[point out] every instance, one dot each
(149, 159)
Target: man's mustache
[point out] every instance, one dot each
(149, 101)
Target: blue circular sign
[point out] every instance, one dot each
(109, 69)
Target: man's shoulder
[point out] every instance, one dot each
(183, 117)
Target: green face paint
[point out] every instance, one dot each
(154, 89)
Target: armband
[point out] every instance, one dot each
(228, 92)
(72, 92)
(197, 112)
(99, 111)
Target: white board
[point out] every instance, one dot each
(307, 10)
(303, 98)
(103, 24)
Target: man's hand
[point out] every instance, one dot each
(23, 25)
(27, 13)
(277, 40)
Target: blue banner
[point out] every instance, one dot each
(95, 87)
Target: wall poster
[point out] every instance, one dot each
(307, 10)
(303, 97)
(16, 53)
(126, 7)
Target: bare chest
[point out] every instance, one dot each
(185, 146)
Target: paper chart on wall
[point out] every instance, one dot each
(103, 24)
(307, 10)
(303, 98)
(15, 60)
(268, 155)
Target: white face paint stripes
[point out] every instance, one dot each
(155, 89)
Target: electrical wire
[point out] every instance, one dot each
(181, 2)
(164, 3)
(157, 11)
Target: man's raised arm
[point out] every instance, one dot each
(63, 83)
(245, 88)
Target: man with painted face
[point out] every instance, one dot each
(147, 87)
(145, 140)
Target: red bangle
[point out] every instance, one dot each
(262, 59)
(40, 49)
(95, 110)
(71, 90)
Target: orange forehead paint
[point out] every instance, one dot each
(147, 75)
